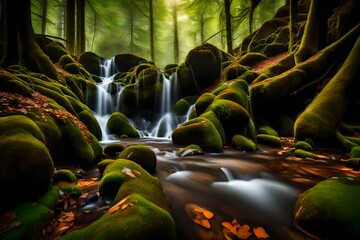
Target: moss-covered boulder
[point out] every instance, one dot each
(264, 129)
(251, 58)
(66, 59)
(233, 71)
(207, 136)
(91, 123)
(19, 222)
(330, 209)
(119, 125)
(211, 116)
(243, 143)
(125, 61)
(55, 51)
(191, 150)
(91, 62)
(135, 218)
(268, 140)
(203, 102)
(142, 155)
(65, 175)
(103, 164)
(181, 107)
(26, 168)
(233, 117)
(305, 154)
(304, 146)
(113, 149)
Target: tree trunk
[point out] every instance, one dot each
(228, 26)
(132, 36)
(152, 40)
(61, 18)
(20, 46)
(70, 26)
(176, 35)
(293, 22)
(44, 16)
(80, 27)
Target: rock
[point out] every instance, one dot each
(142, 155)
(305, 154)
(330, 209)
(203, 102)
(242, 143)
(269, 140)
(207, 136)
(113, 149)
(103, 164)
(65, 175)
(304, 146)
(267, 130)
(191, 150)
(91, 62)
(181, 107)
(124, 62)
(119, 125)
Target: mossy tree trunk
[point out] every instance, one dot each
(19, 44)
(293, 22)
(227, 5)
(44, 16)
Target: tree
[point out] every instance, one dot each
(80, 27)
(174, 7)
(44, 7)
(70, 26)
(19, 44)
(151, 20)
(253, 5)
(227, 4)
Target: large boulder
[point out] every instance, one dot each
(119, 125)
(330, 209)
(125, 61)
(142, 155)
(91, 62)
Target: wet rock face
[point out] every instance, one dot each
(330, 209)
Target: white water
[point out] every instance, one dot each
(108, 103)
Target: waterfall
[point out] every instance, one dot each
(108, 101)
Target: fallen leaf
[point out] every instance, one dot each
(69, 219)
(243, 232)
(128, 172)
(204, 222)
(136, 172)
(235, 223)
(205, 212)
(260, 232)
(117, 205)
(124, 206)
(228, 234)
(230, 227)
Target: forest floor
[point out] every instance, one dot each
(72, 214)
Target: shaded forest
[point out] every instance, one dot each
(244, 75)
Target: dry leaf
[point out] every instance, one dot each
(235, 223)
(136, 172)
(128, 172)
(228, 234)
(69, 219)
(230, 227)
(205, 212)
(260, 232)
(116, 206)
(204, 222)
(243, 232)
(124, 206)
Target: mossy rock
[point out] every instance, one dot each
(220, 88)
(124, 62)
(243, 143)
(207, 136)
(286, 126)
(211, 116)
(191, 150)
(65, 175)
(71, 83)
(353, 163)
(72, 68)
(29, 218)
(330, 209)
(73, 190)
(139, 220)
(96, 147)
(304, 146)
(233, 117)
(55, 51)
(66, 59)
(268, 140)
(113, 149)
(181, 107)
(274, 49)
(249, 76)
(51, 198)
(203, 103)
(267, 130)
(355, 152)
(15, 86)
(26, 168)
(142, 155)
(237, 96)
(19, 123)
(304, 154)
(91, 62)
(171, 68)
(91, 123)
(119, 125)
(251, 58)
(233, 71)
(103, 164)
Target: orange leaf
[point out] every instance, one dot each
(205, 223)
(124, 206)
(235, 223)
(116, 206)
(243, 232)
(69, 219)
(227, 234)
(260, 232)
(205, 212)
(229, 226)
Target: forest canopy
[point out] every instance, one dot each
(114, 27)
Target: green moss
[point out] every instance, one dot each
(344, 143)
(110, 185)
(16, 86)
(124, 62)
(269, 140)
(91, 62)
(273, 49)
(171, 68)
(304, 146)
(329, 206)
(221, 88)
(55, 51)
(66, 59)
(91, 123)
(72, 68)
(268, 131)
(203, 103)
(65, 175)
(27, 221)
(207, 136)
(211, 116)
(142, 155)
(26, 168)
(304, 154)
(239, 97)
(103, 164)
(243, 143)
(233, 71)
(191, 150)
(73, 190)
(141, 219)
(50, 198)
(119, 124)
(19, 123)
(251, 58)
(353, 163)
(113, 149)
(249, 76)
(355, 152)
(71, 83)
(181, 107)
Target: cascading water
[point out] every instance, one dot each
(108, 101)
